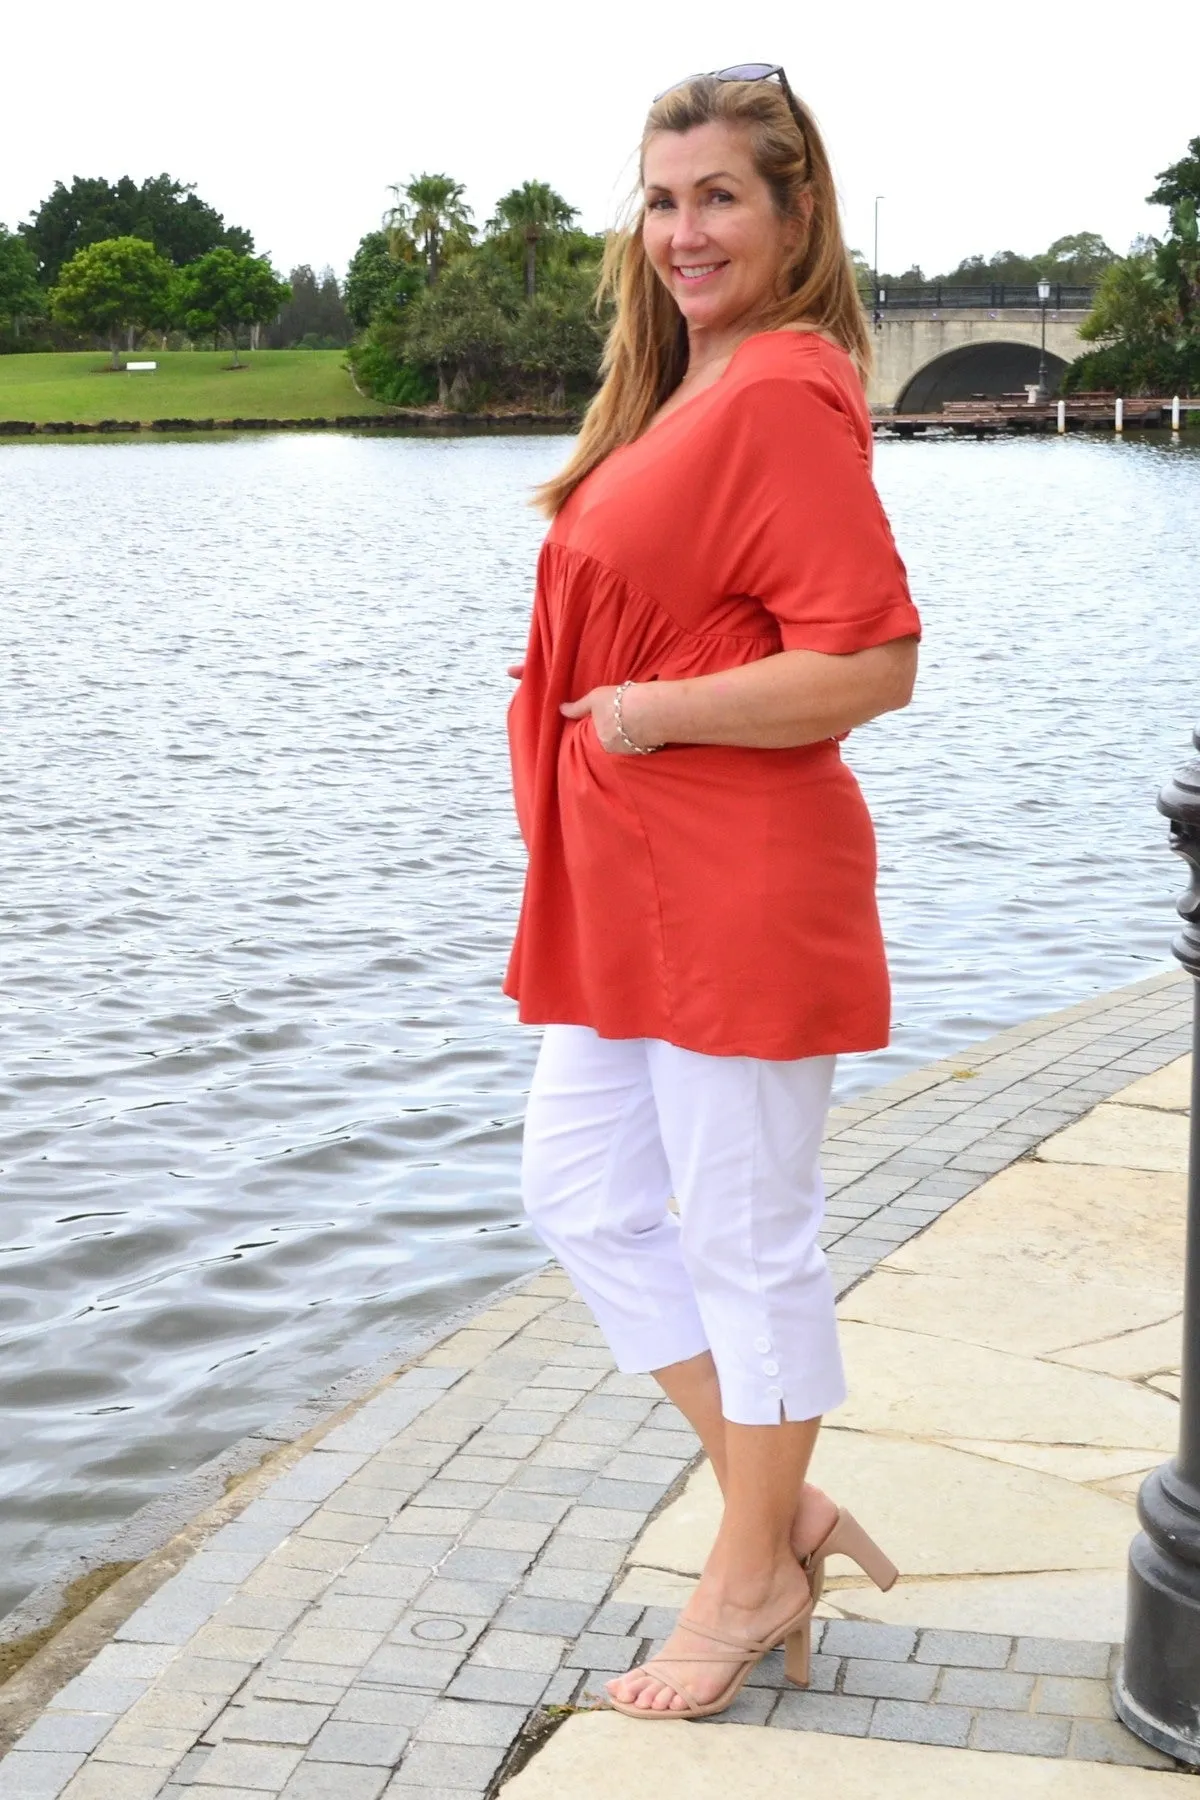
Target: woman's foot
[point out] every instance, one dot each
(734, 1610)
(816, 1515)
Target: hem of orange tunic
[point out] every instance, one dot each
(790, 1051)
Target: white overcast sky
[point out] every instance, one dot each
(984, 127)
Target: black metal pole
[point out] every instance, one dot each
(1157, 1689)
(1042, 358)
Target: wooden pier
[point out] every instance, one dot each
(988, 416)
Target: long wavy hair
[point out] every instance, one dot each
(646, 353)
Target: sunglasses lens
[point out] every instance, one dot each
(749, 72)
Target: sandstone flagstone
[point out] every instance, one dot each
(1035, 1220)
(1073, 1462)
(1122, 1137)
(1131, 1353)
(1005, 1312)
(595, 1756)
(903, 1382)
(939, 1511)
(1169, 1089)
(1088, 1605)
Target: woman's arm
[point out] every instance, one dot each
(777, 703)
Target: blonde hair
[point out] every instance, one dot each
(645, 357)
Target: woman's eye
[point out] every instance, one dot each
(720, 194)
(660, 204)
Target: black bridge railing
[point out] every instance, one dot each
(944, 296)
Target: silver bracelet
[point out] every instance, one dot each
(637, 749)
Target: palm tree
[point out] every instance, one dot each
(528, 216)
(430, 208)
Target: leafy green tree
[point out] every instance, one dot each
(1131, 305)
(167, 213)
(315, 315)
(562, 340)
(1179, 182)
(109, 288)
(20, 295)
(1146, 316)
(527, 217)
(1079, 259)
(431, 209)
(381, 278)
(1179, 264)
(225, 290)
(462, 329)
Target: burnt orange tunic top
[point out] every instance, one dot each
(720, 898)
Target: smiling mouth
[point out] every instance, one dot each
(697, 271)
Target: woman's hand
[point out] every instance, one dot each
(516, 670)
(599, 703)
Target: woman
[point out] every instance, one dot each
(719, 601)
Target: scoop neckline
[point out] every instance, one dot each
(705, 393)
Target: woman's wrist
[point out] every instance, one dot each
(634, 708)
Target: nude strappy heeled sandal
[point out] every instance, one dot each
(795, 1635)
(846, 1537)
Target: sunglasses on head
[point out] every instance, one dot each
(739, 72)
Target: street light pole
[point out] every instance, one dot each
(875, 263)
(1157, 1688)
(1043, 296)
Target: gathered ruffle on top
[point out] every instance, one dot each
(717, 897)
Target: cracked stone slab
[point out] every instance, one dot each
(596, 1755)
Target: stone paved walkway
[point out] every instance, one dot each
(394, 1613)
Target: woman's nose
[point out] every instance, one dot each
(688, 230)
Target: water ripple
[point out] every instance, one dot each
(260, 1095)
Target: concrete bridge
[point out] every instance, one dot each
(927, 354)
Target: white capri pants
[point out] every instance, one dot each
(614, 1129)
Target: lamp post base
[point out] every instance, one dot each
(1157, 1689)
(1151, 1731)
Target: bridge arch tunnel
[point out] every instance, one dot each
(971, 369)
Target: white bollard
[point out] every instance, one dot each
(1120, 415)
(1062, 417)
(1175, 413)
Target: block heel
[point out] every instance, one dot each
(846, 1537)
(797, 1654)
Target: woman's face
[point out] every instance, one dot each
(711, 228)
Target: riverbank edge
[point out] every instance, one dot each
(162, 1536)
(400, 419)
(167, 1533)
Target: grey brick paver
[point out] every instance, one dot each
(878, 1643)
(1019, 1734)
(965, 1649)
(889, 1680)
(364, 1705)
(1057, 1656)
(1103, 1740)
(37, 1774)
(996, 1688)
(843, 1714)
(527, 1612)
(355, 1741)
(516, 1687)
(477, 1722)
(69, 1733)
(327, 1781)
(566, 1584)
(251, 1765)
(449, 1765)
(1073, 1696)
(272, 1722)
(911, 1722)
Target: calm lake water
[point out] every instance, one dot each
(260, 1096)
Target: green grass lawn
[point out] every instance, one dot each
(188, 384)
